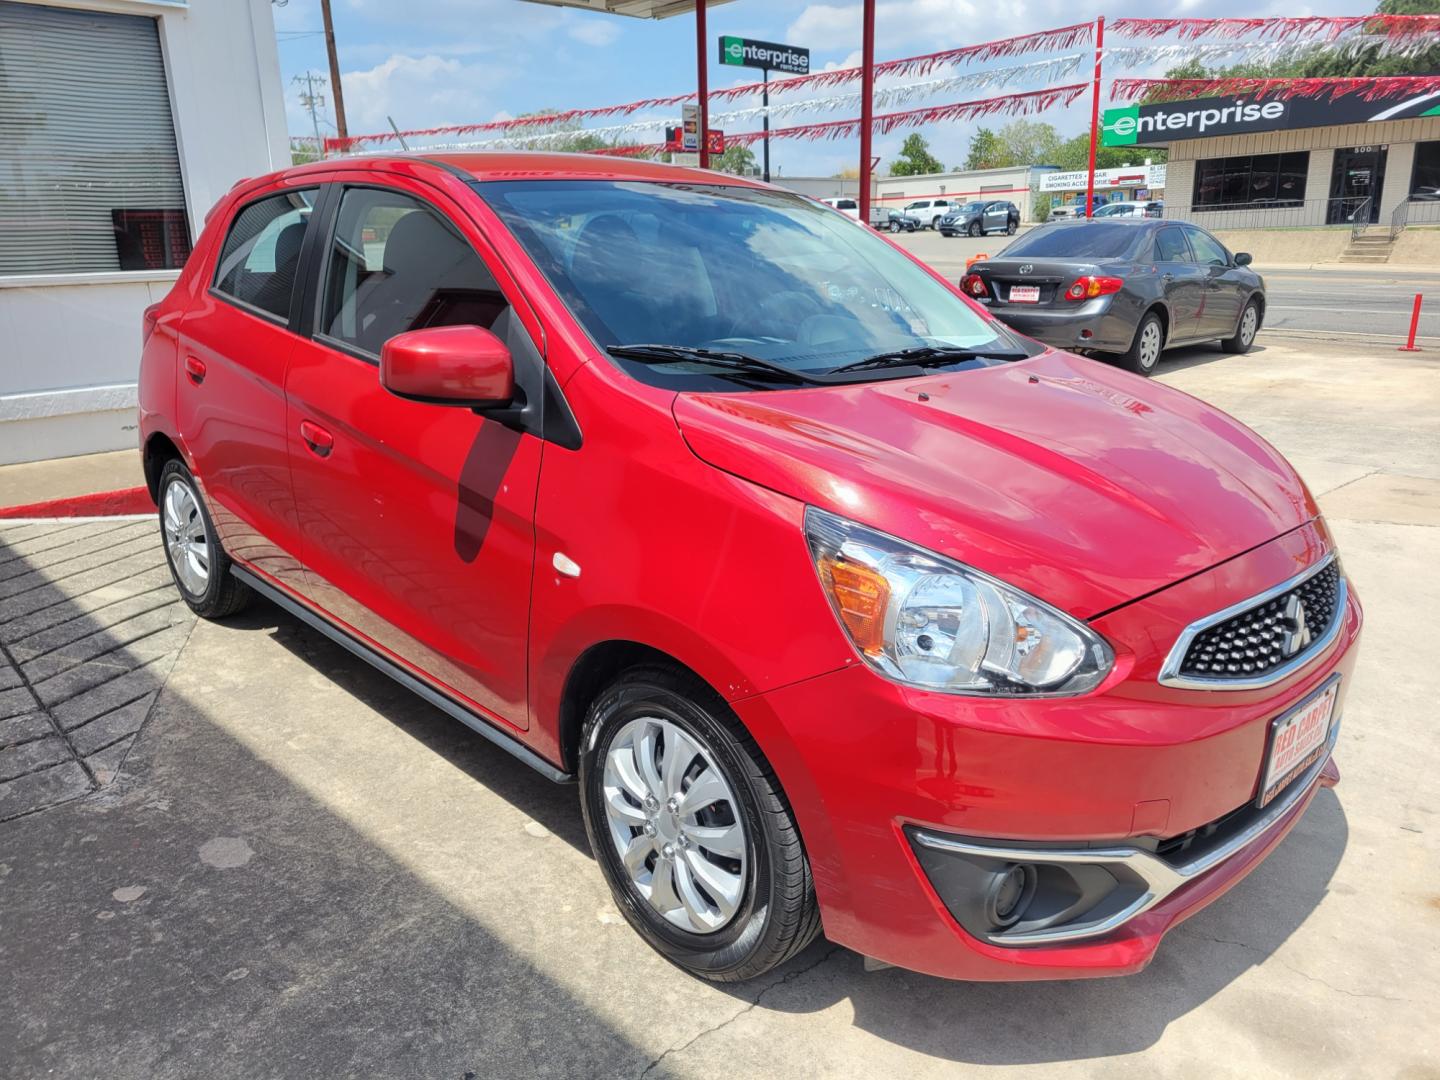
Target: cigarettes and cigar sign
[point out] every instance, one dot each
(1158, 124)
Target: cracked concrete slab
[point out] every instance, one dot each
(295, 868)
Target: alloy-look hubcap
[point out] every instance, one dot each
(676, 824)
(185, 538)
(1150, 345)
(1248, 323)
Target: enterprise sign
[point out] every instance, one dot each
(1172, 120)
(742, 52)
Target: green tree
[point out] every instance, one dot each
(573, 140)
(1075, 154)
(737, 158)
(915, 158)
(985, 150)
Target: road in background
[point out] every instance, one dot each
(1337, 303)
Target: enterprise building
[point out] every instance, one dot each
(1256, 162)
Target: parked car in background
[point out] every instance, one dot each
(981, 218)
(1076, 209)
(929, 211)
(845, 204)
(1125, 288)
(894, 220)
(832, 594)
(1131, 210)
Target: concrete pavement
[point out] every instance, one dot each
(298, 869)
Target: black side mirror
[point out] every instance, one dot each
(1242, 258)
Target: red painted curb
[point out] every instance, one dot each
(134, 500)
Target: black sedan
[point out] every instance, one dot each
(1125, 289)
(894, 221)
(979, 218)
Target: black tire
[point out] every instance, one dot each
(1245, 329)
(935, 222)
(975, 229)
(222, 593)
(1143, 356)
(777, 915)
(894, 226)
(1010, 228)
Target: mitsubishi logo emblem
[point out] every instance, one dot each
(1297, 632)
(1027, 268)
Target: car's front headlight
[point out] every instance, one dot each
(928, 621)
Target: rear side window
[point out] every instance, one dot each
(1088, 240)
(397, 265)
(261, 255)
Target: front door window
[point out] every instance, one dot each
(1356, 180)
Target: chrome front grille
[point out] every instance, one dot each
(1261, 640)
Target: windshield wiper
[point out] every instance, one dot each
(927, 356)
(732, 361)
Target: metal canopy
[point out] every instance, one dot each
(636, 9)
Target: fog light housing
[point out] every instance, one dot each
(1010, 893)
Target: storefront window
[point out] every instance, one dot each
(1425, 181)
(1259, 180)
(89, 175)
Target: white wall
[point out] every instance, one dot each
(1013, 184)
(71, 343)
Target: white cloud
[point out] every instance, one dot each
(598, 32)
(420, 91)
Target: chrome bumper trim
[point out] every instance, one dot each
(1170, 670)
(1161, 878)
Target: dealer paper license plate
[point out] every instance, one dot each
(1297, 739)
(1024, 294)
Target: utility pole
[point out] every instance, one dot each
(313, 102)
(340, 128)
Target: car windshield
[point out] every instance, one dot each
(733, 269)
(1082, 240)
(971, 208)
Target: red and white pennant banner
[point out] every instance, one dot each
(1370, 89)
(1296, 28)
(1042, 41)
(1006, 105)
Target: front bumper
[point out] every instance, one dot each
(1095, 324)
(870, 765)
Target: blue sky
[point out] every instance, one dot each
(433, 62)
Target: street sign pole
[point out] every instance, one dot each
(1095, 115)
(765, 100)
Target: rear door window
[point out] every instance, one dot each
(261, 256)
(1170, 246)
(395, 265)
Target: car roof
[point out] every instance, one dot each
(527, 165)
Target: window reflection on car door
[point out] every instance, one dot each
(1182, 282)
(1224, 284)
(417, 521)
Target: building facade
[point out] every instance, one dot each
(1242, 163)
(1017, 185)
(125, 121)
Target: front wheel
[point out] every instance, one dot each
(974, 229)
(894, 226)
(691, 828)
(1144, 352)
(1245, 330)
(198, 564)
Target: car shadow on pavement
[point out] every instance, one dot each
(977, 1023)
(208, 911)
(1052, 1022)
(1192, 356)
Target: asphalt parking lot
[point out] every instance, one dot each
(271, 861)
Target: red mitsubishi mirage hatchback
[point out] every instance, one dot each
(846, 606)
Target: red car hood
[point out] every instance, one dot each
(1080, 483)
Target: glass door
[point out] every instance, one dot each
(1356, 179)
